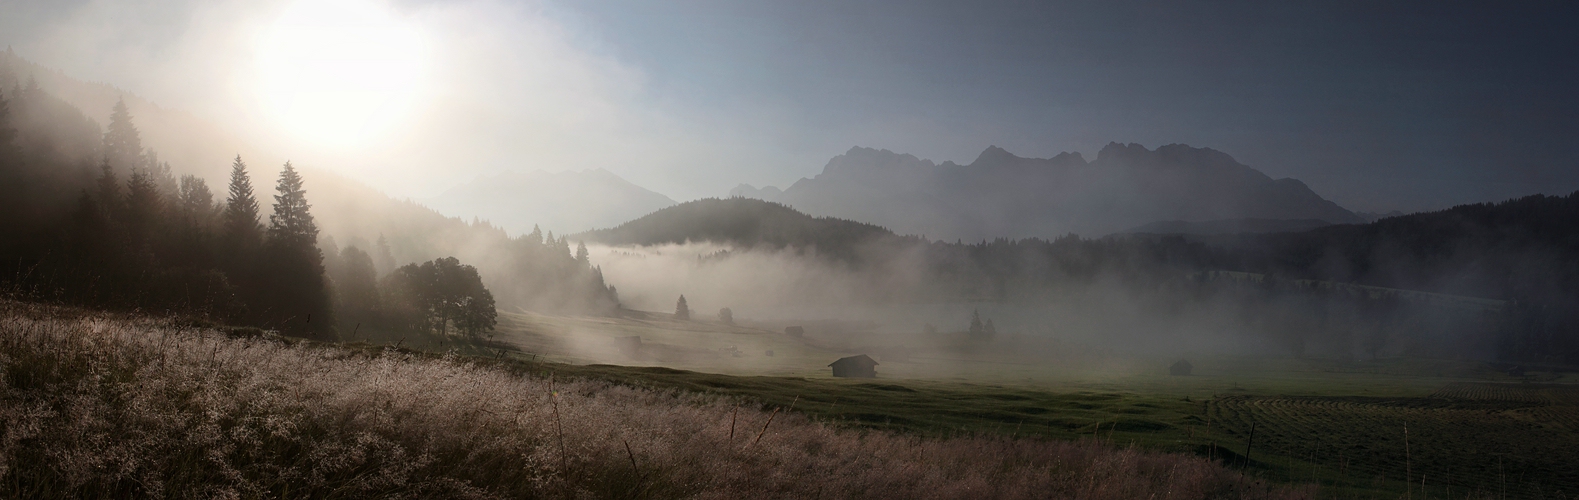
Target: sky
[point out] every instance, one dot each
(1378, 106)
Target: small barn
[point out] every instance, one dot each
(1181, 368)
(794, 331)
(858, 366)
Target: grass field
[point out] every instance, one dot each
(1472, 431)
(107, 405)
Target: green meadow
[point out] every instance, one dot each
(1433, 428)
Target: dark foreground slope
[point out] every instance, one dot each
(114, 407)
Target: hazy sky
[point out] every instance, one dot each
(1378, 107)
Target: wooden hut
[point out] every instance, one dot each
(1182, 368)
(858, 366)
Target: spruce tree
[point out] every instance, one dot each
(143, 206)
(123, 145)
(298, 297)
(109, 196)
(682, 311)
(241, 232)
(291, 224)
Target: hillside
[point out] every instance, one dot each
(562, 202)
(747, 223)
(1525, 248)
(1230, 226)
(50, 167)
(1003, 195)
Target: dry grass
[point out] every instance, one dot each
(98, 406)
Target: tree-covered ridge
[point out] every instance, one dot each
(1516, 249)
(748, 223)
(1348, 288)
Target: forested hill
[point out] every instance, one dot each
(747, 223)
(1523, 249)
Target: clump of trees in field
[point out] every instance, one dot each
(438, 297)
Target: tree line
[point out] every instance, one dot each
(108, 224)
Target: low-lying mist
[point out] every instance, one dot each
(899, 303)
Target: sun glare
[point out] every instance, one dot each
(339, 71)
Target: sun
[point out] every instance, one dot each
(339, 71)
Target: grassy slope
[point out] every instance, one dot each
(108, 406)
(1340, 423)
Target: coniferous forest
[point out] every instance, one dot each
(90, 216)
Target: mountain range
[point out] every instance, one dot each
(1004, 195)
(562, 202)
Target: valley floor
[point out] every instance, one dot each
(1358, 428)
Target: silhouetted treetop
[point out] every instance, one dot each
(291, 221)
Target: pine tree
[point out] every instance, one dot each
(975, 322)
(581, 256)
(296, 295)
(242, 232)
(536, 236)
(143, 206)
(123, 145)
(109, 196)
(681, 310)
(291, 224)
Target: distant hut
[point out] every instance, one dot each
(794, 331)
(1182, 368)
(1517, 371)
(859, 366)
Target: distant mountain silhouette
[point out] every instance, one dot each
(1003, 195)
(1230, 226)
(562, 202)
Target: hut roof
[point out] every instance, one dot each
(860, 359)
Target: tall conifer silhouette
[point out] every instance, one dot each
(123, 145)
(296, 293)
(291, 223)
(240, 219)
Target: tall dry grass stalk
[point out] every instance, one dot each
(117, 407)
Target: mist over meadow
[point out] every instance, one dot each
(549, 249)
